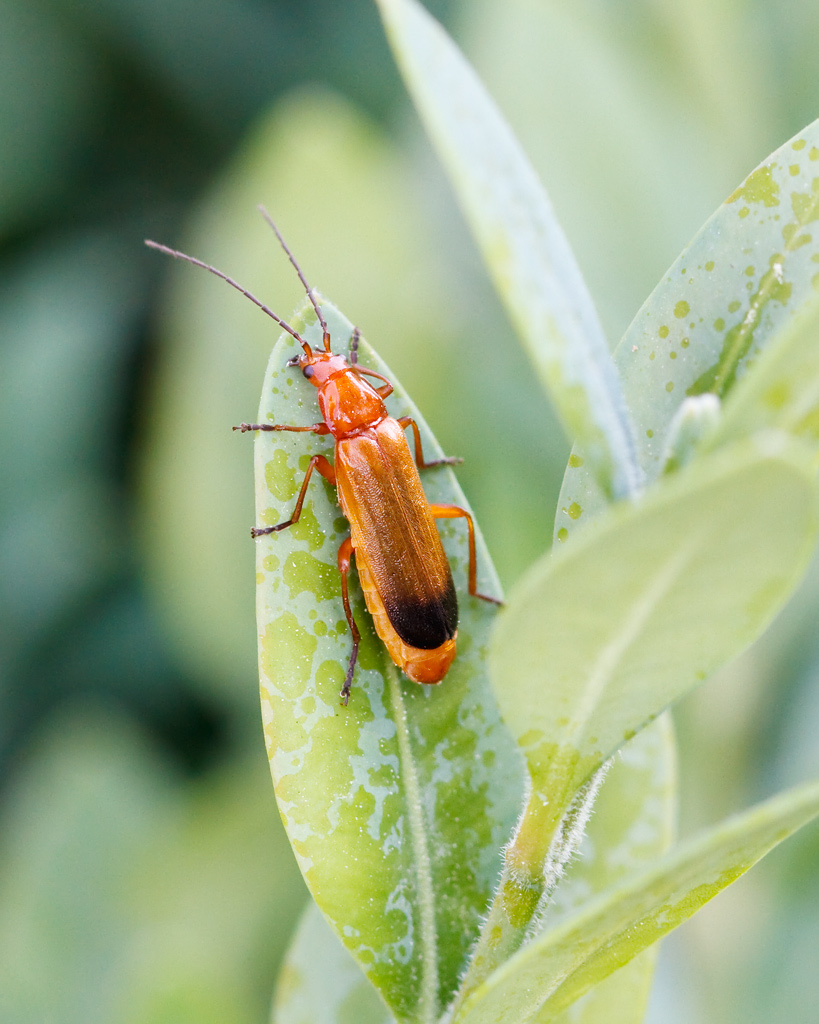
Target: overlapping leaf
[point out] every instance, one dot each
(555, 969)
(632, 826)
(598, 639)
(781, 389)
(729, 295)
(397, 806)
(320, 983)
(523, 245)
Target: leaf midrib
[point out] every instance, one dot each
(627, 634)
(427, 1012)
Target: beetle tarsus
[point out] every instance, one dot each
(450, 460)
(348, 679)
(263, 531)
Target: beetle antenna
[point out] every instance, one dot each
(302, 278)
(177, 255)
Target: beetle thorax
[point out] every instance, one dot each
(349, 404)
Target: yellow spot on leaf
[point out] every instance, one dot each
(758, 187)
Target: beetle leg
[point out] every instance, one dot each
(408, 421)
(353, 358)
(344, 554)
(386, 388)
(316, 428)
(323, 466)
(456, 512)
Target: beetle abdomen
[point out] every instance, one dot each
(393, 531)
(427, 666)
(425, 624)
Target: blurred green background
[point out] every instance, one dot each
(143, 872)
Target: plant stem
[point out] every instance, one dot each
(519, 893)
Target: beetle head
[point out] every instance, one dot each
(319, 366)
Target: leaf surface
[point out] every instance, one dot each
(781, 388)
(598, 639)
(320, 983)
(747, 273)
(398, 805)
(546, 976)
(633, 825)
(522, 243)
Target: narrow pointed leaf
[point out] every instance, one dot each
(524, 247)
(598, 639)
(396, 806)
(320, 983)
(740, 282)
(558, 967)
(620, 998)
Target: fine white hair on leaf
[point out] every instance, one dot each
(565, 844)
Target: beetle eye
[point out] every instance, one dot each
(308, 372)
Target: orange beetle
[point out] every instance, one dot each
(404, 574)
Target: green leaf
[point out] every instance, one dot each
(632, 826)
(523, 245)
(621, 998)
(742, 279)
(781, 388)
(598, 639)
(555, 969)
(398, 805)
(320, 983)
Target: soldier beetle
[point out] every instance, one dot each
(405, 576)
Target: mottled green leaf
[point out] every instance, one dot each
(320, 983)
(523, 245)
(632, 826)
(397, 806)
(742, 279)
(555, 969)
(599, 638)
